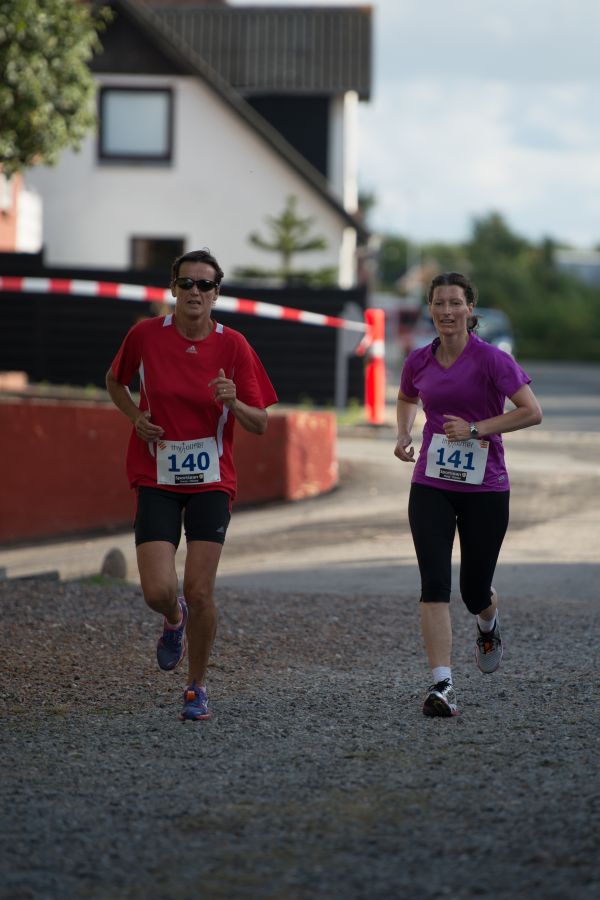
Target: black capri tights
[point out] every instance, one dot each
(481, 519)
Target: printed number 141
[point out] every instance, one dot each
(455, 459)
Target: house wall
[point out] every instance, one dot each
(8, 218)
(223, 182)
(343, 148)
(20, 217)
(29, 237)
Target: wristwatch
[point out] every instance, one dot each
(473, 430)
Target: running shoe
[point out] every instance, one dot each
(441, 700)
(195, 704)
(488, 649)
(171, 647)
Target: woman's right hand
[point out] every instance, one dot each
(145, 429)
(403, 450)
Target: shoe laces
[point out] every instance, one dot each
(441, 686)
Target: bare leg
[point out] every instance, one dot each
(437, 633)
(198, 587)
(156, 564)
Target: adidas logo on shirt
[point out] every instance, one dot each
(191, 349)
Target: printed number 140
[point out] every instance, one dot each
(202, 462)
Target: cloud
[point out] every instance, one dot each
(437, 154)
(515, 40)
(481, 106)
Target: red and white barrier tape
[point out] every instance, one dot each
(141, 293)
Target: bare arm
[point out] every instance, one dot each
(406, 411)
(120, 396)
(252, 418)
(527, 412)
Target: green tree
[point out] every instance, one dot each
(46, 87)
(289, 234)
(392, 261)
(554, 314)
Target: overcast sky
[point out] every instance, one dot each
(482, 105)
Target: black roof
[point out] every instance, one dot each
(286, 49)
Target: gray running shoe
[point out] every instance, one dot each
(440, 700)
(488, 649)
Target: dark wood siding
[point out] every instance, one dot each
(126, 50)
(303, 122)
(72, 340)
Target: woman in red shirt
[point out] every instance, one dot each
(197, 378)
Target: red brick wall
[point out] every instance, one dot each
(63, 466)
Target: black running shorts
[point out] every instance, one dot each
(160, 513)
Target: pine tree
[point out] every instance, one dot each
(289, 234)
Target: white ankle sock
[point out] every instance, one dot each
(486, 625)
(441, 673)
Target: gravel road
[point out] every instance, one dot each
(317, 777)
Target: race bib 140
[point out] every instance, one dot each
(187, 462)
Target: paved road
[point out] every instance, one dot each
(357, 540)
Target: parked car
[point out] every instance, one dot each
(494, 327)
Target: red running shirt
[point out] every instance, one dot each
(174, 375)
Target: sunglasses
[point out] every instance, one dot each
(203, 284)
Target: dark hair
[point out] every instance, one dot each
(202, 256)
(461, 281)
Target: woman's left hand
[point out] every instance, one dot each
(457, 429)
(224, 389)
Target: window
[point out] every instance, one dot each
(136, 124)
(155, 254)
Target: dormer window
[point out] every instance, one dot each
(136, 125)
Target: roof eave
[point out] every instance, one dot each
(184, 58)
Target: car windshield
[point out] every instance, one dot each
(492, 321)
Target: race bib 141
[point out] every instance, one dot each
(459, 461)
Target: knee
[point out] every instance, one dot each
(159, 597)
(199, 597)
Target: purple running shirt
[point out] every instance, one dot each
(475, 387)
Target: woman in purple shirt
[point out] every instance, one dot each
(460, 479)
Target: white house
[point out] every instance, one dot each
(209, 118)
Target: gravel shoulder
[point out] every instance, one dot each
(317, 776)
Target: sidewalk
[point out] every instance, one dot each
(356, 539)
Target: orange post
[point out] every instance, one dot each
(375, 368)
